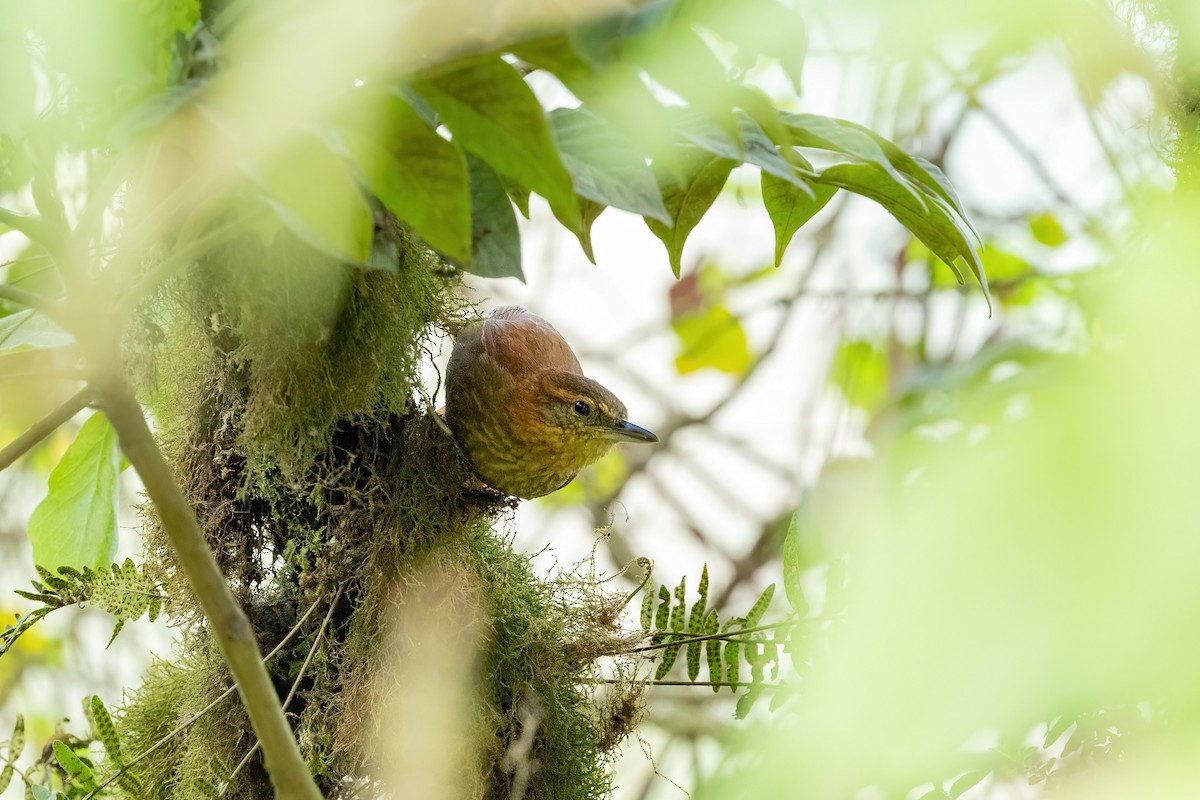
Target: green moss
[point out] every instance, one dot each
(284, 388)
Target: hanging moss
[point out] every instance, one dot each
(286, 391)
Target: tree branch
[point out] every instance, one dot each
(44, 427)
(289, 775)
(27, 299)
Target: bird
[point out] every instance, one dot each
(521, 409)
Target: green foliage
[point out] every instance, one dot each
(860, 370)
(313, 192)
(106, 733)
(419, 176)
(606, 169)
(722, 648)
(122, 590)
(281, 373)
(29, 330)
(79, 773)
(76, 525)
(690, 181)
(492, 113)
(495, 239)
(16, 746)
(711, 338)
(1047, 230)
(604, 164)
(789, 207)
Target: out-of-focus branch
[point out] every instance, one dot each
(289, 774)
(44, 427)
(32, 300)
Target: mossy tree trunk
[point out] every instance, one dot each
(287, 387)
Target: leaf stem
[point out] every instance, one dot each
(719, 684)
(726, 635)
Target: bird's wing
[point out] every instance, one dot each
(522, 342)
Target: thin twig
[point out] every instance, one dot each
(312, 651)
(44, 427)
(32, 300)
(187, 723)
(792, 623)
(721, 684)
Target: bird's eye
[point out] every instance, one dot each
(582, 408)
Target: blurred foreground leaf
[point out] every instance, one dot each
(76, 525)
(714, 339)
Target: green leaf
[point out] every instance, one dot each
(794, 564)
(1060, 726)
(6, 776)
(29, 330)
(1002, 265)
(41, 792)
(493, 113)
(967, 782)
(312, 192)
(789, 207)
(16, 743)
(588, 211)
(76, 525)
(733, 664)
(78, 772)
(682, 61)
(116, 629)
(518, 194)
(713, 339)
(418, 175)
(760, 151)
(749, 144)
(601, 41)
(747, 701)
(604, 165)
(932, 221)
(839, 136)
(1047, 230)
(647, 615)
(495, 240)
(679, 610)
(919, 170)
(755, 615)
(761, 27)
(663, 613)
(618, 93)
(693, 659)
(860, 370)
(696, 617)
(713, 649)
(690, 183)
(106, 732)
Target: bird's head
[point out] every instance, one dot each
(579, 409)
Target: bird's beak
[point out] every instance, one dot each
(626, 431)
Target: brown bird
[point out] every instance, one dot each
(522, 410)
